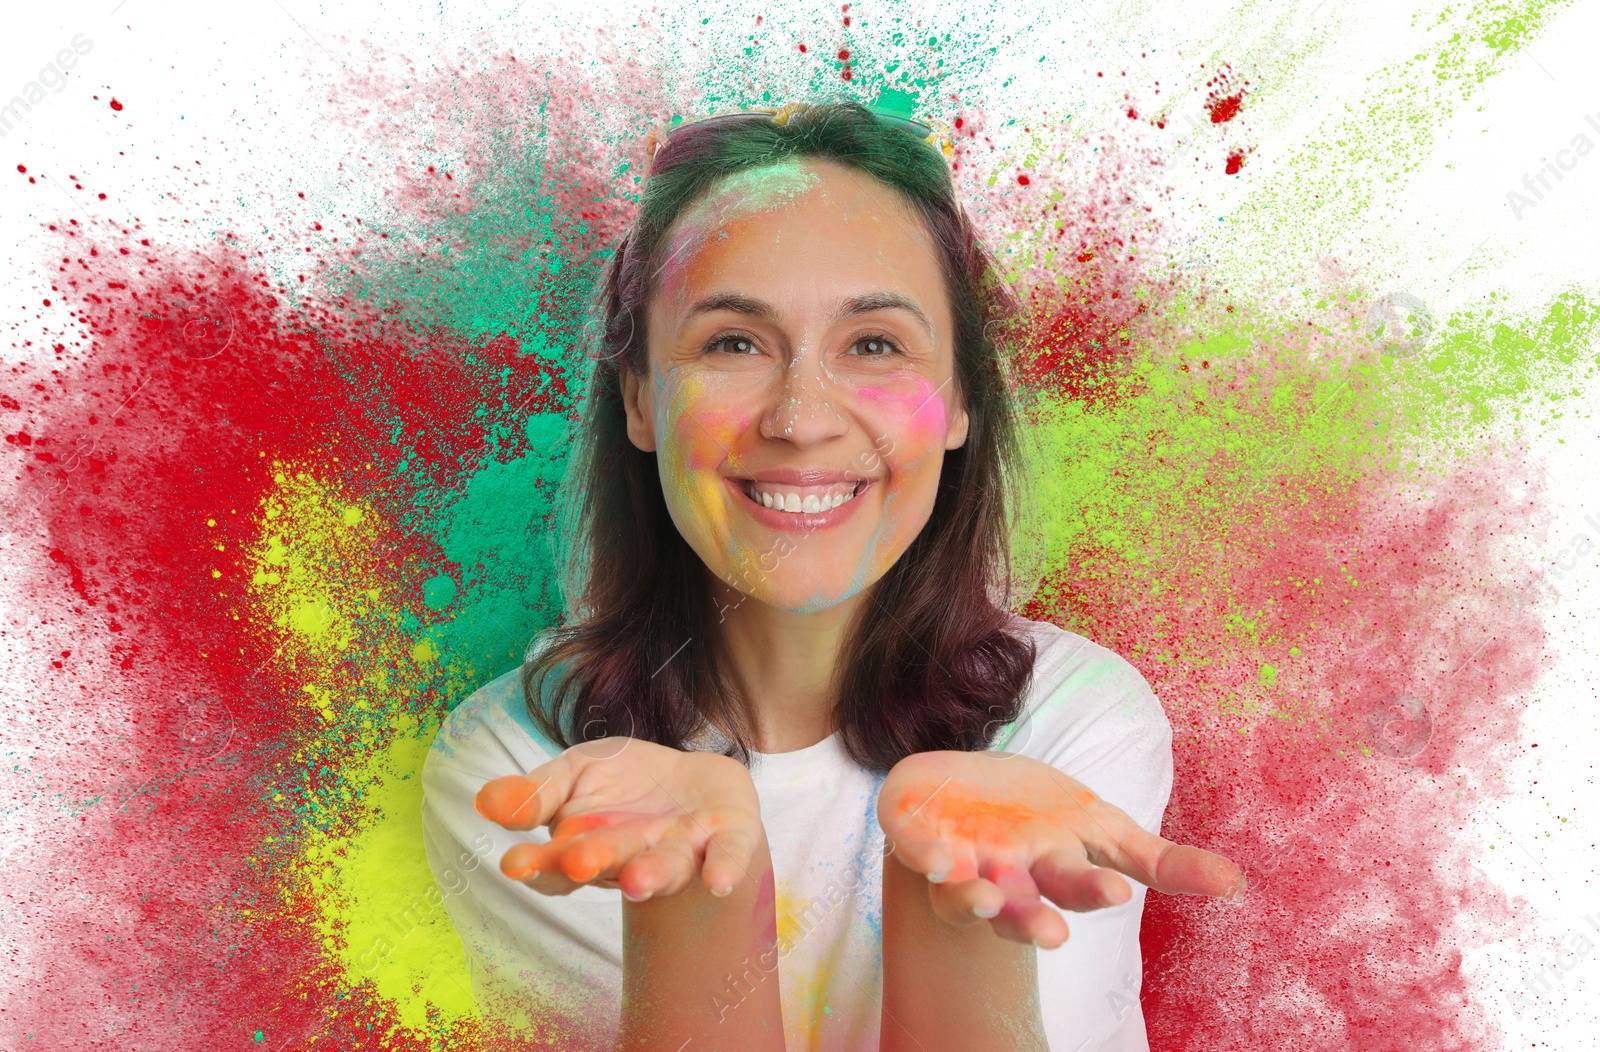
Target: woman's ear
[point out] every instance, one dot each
(956, 437)
(636, 403)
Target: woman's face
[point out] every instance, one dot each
(801, 393)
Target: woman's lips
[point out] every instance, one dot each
(816, 505)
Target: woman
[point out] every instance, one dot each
(762, 742)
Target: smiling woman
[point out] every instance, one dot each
(765, 741)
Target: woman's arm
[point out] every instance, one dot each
(949, 987)
(703, 970)
(991, 837)
(680, 834)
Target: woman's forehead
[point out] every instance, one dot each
(822, 219)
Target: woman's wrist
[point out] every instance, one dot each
(703, 968)
(949, 988)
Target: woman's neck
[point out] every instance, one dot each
(785, 662)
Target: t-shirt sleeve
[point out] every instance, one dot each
(1092, 716)
(537, 964)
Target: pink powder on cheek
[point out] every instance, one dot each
(916, 407)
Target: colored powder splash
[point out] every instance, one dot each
(279, 520)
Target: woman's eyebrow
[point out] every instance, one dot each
(856, 305)
(875, 301)
(735, 303)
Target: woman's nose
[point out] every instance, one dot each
(805, 410)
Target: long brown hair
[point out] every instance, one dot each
(932, 661)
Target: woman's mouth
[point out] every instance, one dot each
(801, 500)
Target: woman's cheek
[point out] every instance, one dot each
(908, 498)
(912, 423)
(907, 413)
(696, 435)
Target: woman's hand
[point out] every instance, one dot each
(634, 815)
(997, 834)
(629, 814)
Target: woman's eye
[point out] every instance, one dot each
(734, 345)
(873, 347)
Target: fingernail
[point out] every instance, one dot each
(938, 877)
(722, 891)
(640, 898)
(986, 914)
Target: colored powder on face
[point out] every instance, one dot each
(917, 404)
(734, 198)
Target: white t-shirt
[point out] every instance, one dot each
(554, 963)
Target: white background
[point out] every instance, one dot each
(195, 76)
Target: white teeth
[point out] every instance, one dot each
(812, 503)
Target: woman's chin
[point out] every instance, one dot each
(803, 597)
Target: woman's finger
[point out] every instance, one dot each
(552, 882)
(602, 851)
(664, 869)
(1113, 839)
(527, 801)
(728, 854)
(531, 864)
(929, 856)
(1065, 877)
(1025, 917)
(522, 861)
(961, 903)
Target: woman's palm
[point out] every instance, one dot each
(998, 834)
(628, 814)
